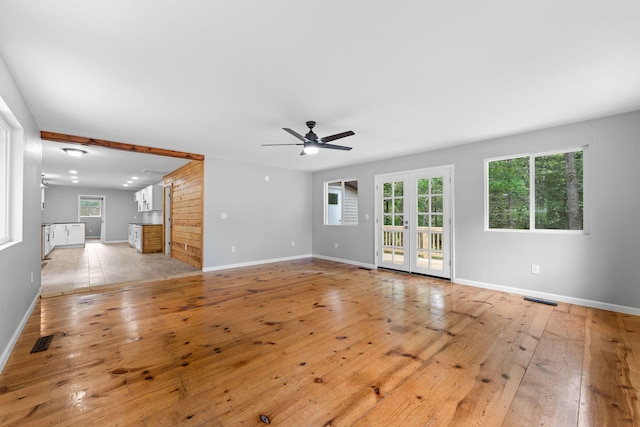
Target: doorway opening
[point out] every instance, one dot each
(91, 211)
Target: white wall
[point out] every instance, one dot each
(19, 261)
(589, 269)
(263, 217)
(61, 205)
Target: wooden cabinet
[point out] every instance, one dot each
(146, 238)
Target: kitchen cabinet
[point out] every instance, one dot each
(47, 244)
(70, 234)
(146, 238)
(149, 198)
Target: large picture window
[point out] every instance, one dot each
(536, 191)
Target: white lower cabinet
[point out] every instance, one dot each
(71, 234)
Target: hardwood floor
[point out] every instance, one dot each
(72, 270)
(316, 343)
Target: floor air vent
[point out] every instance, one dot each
(42, 344)
(540, 301)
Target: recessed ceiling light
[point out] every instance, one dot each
(74, 152)
(74, 181)
(73, 172)
(125, 185)
(134, 177)
(129, 182)
(74, 177)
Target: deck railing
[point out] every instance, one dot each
(429, 238)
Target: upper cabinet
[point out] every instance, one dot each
(149, 198)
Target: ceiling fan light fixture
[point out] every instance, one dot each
(310, 149)
(74, 152)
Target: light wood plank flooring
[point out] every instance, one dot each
(316, 343)
(72, 270)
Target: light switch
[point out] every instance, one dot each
(223, 215)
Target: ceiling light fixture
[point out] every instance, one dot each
(73, 172)
(310, 149)
(74, 152)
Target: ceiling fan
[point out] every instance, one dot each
(311, 143)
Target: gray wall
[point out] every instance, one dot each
(61, 205)
(264, 217)
(596, 267)
(19, 261)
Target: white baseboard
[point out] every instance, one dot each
(14, 338)
(554, 297)
(252, 263)
(346, 261)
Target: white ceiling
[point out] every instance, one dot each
(221, 78)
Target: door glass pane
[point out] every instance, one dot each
(387, 206)
(423, 259)
(436, 185)
(387, 189)
(398, 220)
(398, 204)
(423, 220)
(423, 204)
(436, 260)
(387, 255)
(436, 204)
(423, 186)
(398, 256)
(387, 220)
(398, 188)
(435, 242)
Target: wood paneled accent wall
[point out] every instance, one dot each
(187, 212)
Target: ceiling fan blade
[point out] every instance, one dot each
(302, 153)
(336, 136)
(296, 134)
(334, 147)
(273, 145)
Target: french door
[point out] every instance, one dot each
(413, 222)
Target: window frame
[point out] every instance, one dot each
(342, 182)
(5, 183)
(532, 191)
(86, 199)
(12, 205)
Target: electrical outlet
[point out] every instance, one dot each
(293, 243)
(335, 245)
(233, 248)
(185, 246)
(535, 269)
(32, 277)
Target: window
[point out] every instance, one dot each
(4, 183)
(536, 192)
(12, 151)
(91, 208)
(341, 202)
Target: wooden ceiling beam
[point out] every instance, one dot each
(61, 137)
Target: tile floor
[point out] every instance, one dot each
(72, 270)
